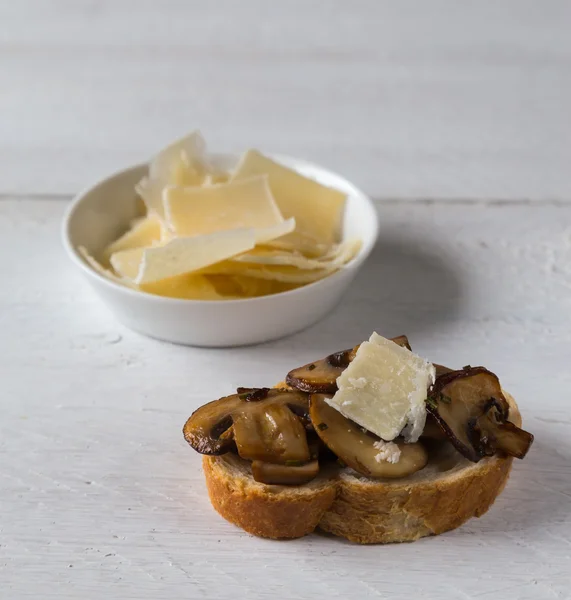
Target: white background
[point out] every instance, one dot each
(454, 115)
(408, 99)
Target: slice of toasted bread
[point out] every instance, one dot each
(446, 493)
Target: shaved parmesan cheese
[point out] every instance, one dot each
(284, 273)
(151, 192)
(143, 233)
(246, 287)
(358, 383)
(100, 269)
(384, 390)
(201, 210)
(296, 242)
(253, 286)
(185, 172)
(188, 254)
(182, 163)
(187, 153)
(388, 451)
(188, 287)
(215, 176)
(281, 273)
(127, 262)
(269, 234)
(277, 257)
(211, 236)
(316, 208)
(335, 259)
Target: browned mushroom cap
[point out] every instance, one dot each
(265, 425)
(320, 377)
(490, 434)
(288, 474)
(471, 409)
(432, 430)
(355, 447)
(441, 369)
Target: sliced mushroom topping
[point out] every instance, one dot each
(292, 473)
(471, 409)
(490, 434)
(272, 434)
(441, 369)
(432, 429)
(320, 377)
(266, 425)
(355, 447)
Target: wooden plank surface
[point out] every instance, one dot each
(440, 99)
(101, 497)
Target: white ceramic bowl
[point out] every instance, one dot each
(100, 214)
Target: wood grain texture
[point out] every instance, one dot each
(409, 99)
(101, 497)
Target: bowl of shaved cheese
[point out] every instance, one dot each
(210, 249)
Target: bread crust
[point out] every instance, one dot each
(265, 510)
(362, 510)
(386, 513)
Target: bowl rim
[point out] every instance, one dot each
(72, 251)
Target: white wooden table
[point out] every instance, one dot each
(99, 495)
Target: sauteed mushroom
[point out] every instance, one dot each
(320, 377)
(266, 425)
(471, 409)
(288, 474)
(355, 447)
(490, 433)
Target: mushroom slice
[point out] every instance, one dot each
(355, 447)
(292, 473)
(490, 433)
(266, 424)
(471, 409)
(272, 434)
(432, 430)
(320, 377)
(441, 369)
